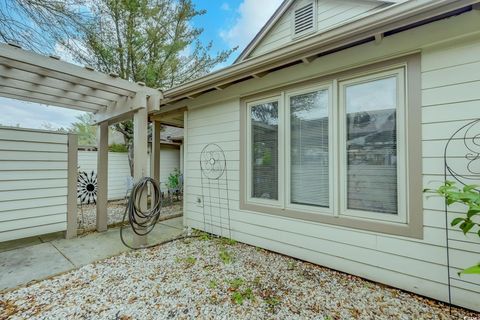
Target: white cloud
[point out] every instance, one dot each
(252, 16)
(34, 116)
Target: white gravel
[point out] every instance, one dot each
(116, 209)
(188, 279)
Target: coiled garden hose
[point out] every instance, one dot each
(143, 221)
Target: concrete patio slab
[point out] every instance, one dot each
(29, 259)
(20, 266)
(175, 223)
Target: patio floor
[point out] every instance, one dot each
(37, 258)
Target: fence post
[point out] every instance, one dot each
(72, 186)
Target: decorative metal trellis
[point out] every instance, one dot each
(87, 187)
(215, 197)
(461, 163)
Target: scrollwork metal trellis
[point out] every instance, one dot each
(215, 197)
(461, 167)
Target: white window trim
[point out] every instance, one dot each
(251, 200)
(401, 216)
(303, 207)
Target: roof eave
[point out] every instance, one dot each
(385, 20)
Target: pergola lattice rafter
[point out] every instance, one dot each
(28, 76)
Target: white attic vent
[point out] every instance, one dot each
(304, 19)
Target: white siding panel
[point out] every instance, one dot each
(450, 99)
(33, 182)
(118, 168)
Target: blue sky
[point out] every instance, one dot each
(228, 23)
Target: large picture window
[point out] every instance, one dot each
(336, 151)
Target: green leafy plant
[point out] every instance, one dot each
(228, 242)
(117, 147)
(173, 180)
(212, 284)
(238, 295)
(468, 196)
(225, 256)
(189, 261)
(204, 236)
(236, 283)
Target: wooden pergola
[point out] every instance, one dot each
(28, 76)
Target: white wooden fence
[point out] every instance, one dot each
(118, 169)
(34, 172)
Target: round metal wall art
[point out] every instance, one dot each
(212, 161)
(87, 187)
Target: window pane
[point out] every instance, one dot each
(372, 146)
(309, 149)
(264, 121)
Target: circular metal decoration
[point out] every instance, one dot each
(212, 161)
(466, 143)
(87, 187)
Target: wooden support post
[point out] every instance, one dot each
(102, 176)
(140, 148)
(72, 186)
(156, 128)
(184, 172)
(155, 154)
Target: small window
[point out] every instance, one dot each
(304, 19)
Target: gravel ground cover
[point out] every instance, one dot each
(205, 278)
(116, 209)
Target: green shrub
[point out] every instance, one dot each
(117, 147)
(469, 196)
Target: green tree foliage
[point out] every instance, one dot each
(151, 41)
(85, 130)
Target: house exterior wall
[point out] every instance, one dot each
(450, 66)
(330, 14)
(118, 169)
(33, 182)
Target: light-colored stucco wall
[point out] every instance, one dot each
(450, 51)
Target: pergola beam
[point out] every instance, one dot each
(52, 100)
(47, 102)
(54, 92)
(55, 83)
(30, 61)
(120, 108)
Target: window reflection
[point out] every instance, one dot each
(372, 146)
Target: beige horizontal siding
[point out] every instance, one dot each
(450, 99)
(33, 182)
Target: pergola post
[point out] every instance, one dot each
(155, 152)
(102, 176)
(140, 149)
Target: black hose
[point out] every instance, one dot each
(143, 221)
